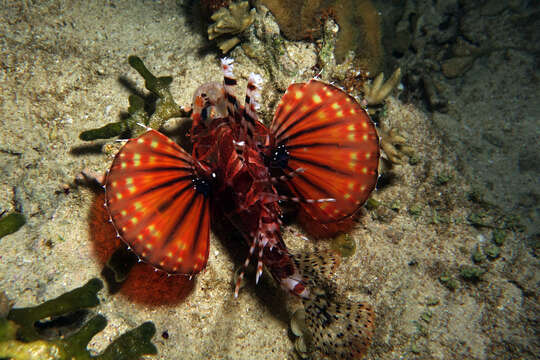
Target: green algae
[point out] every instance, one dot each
(426, 316)
(443, 178)
(159, 86)
(395, 205)
(106, 132)
(415, 210)
(137, 116)
(421, 329)
(437, 218)
(415, 349)
(478, 219)
(478, 256)
(492, 251)
(166, 108)
(514, 222)
(448, 281)
(11, 223)
(432, 301)
(471, 273)
(414, 160)
(372, 204)
(20, 340)
(80, 298)
(478, 196)
(498, 237)
(344, 245)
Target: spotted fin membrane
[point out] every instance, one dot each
(338, 327)
(332, 146)
(159, 205)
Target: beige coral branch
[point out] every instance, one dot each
(226, 45)
(231, 20)
(378, 90)
(393, 144)
(389, 141)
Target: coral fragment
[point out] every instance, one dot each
(378, 90)
(358, 20)
(231, 20)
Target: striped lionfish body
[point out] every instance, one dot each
(321, 151)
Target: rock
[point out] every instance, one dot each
(457, 66)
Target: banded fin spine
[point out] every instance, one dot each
(252, 98)
(229, 82)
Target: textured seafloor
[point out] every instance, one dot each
(60, 66)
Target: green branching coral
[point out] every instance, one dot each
(166, 107)
(137, 115)
(19, 339)
(11, 223)
(471, 273)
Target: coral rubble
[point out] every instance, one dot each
(352, 75)
(359, 23)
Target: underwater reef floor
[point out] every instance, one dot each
(451, 269)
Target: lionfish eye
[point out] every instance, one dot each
(202, 186)
(279, 157)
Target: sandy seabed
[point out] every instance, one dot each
(61, 63)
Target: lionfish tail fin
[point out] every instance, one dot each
(317, 268)
(337, 327)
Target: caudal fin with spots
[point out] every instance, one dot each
(337, 327)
